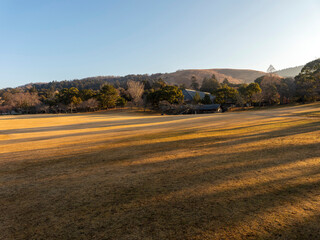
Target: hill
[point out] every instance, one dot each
(289, 72)
(244, 75)
(236, 76)
(179, 77)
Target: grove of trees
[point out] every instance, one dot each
(92, 94)
(308, 82)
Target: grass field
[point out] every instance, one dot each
(121, 175)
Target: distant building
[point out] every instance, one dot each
(189, 95)
(208, 108)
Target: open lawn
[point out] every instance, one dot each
(120, 175)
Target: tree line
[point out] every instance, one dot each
(150, 91)
(43, 100)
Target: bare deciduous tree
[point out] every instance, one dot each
(89, 105)
(135, 89)
(257, 98)
(22, 101)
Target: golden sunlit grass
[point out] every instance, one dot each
(245, 175)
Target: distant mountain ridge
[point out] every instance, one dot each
(245, 75)
(179, 77)
(236, 76)
(289, 72)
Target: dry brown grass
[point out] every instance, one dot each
(247, 175)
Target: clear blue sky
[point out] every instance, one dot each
(66, 39)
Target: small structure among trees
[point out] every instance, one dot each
(192, 96)
(208, 108)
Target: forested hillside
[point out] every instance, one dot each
(180, 77)
(290, 72)
(151, 91)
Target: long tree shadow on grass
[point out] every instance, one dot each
(130, 203)
(220, 214)
(123, 210)
(197, 143)
(137, 124)
(304, 228)
(106, 123)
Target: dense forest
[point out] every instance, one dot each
(150, 91)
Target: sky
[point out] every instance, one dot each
(42, 40)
